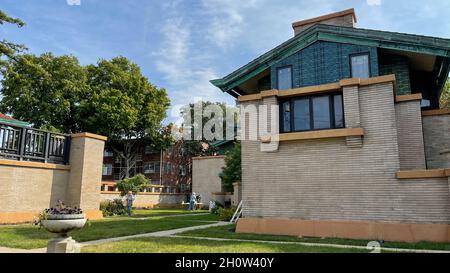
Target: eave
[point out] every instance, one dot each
(374, 38)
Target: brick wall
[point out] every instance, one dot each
(437, 140)
(410, 135)
(323, 62)
(328, 180)
(205, 176)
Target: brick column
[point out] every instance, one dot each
(352, 113)
(269, 120)
(86, 161)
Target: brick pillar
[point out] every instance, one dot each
(237, 194)
(352, 113)
(268, 117)
(86, 161)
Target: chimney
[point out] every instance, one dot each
(345, 18)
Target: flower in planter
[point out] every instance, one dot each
(59, 209)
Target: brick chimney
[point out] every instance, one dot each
(345, 18)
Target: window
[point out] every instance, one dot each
(360, 65)
(182, 170)
(167, 168)
(148, 149)
(151, 167)
(107, 153)
(284, 78)
(107, 169)
(312, 113)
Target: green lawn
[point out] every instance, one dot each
(227, 232)
(29, 236)
(140, 213)
(185, 245)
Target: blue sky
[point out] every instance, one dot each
(182, 44)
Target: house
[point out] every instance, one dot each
(360, 148)
(7, 120)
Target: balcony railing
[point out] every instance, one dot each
(28, 144)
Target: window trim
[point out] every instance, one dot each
(311, 111)
(292, 76)
(360, 54)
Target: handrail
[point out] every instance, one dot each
(29, 144)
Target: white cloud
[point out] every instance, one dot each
(374, 2)
(227, 20)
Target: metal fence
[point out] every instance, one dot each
(28, 144)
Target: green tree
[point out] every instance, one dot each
(7, 48)
(232, 171)
(125, 107)
(47, 91)
(445, 96)
(135, 184)
(111, 98)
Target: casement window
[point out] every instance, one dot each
(107, 169)
(167, 168)
(360, 65)
(312, 113)
(151, 167)
(284, 78)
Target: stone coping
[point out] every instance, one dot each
(36, 165)
(415, 174)
(319, 89)
(320, 134)
(437, 112)
(411, 97)
(143, 193)
(89, 135)
(208, 157)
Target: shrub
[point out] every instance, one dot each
(111, 208)
(216, 208)
(134, 184)
(226, 214)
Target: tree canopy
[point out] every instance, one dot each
(232, 171)
(7, 48)
(111, 98)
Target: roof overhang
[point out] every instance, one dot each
(374, 38)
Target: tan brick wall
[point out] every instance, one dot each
(205, 176)
(437, 140)
(329, 180)
(26, 188)
(150, 200)
(30, 189)
(410, 135)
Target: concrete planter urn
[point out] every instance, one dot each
(62, 225)
(61, 220)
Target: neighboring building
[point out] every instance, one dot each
(170, 168)
(362, 149)
(7, 120)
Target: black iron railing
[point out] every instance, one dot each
(28, 144)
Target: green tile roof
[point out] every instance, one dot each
(376, 38)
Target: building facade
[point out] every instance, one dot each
(360, 149)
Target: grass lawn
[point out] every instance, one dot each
(185, 245)
(29, 236)
(227, 232)
(140, 213)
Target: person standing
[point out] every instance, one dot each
(130, 197)
(193, 201)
